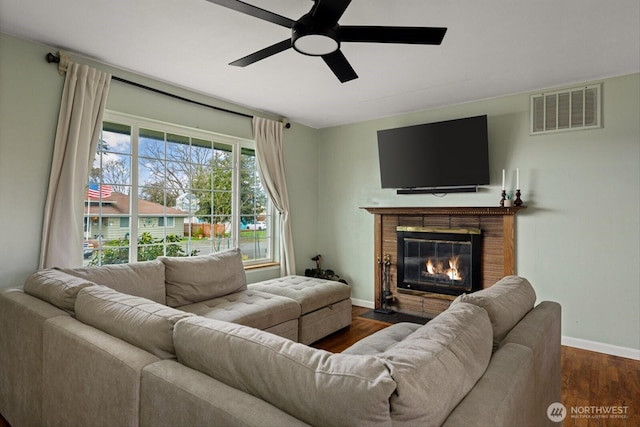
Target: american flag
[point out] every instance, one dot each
(96, 191)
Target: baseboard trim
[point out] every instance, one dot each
(613, 350)
(362, 303)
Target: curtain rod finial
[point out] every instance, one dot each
(52, 58)
(286, 123)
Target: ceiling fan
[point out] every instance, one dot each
(318, 33)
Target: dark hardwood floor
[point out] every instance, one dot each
(589, 380)
(597, 382)
(344, 338)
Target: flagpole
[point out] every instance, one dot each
(100, 192)
(86, 229)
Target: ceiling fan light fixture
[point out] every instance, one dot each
(314, 40)
(315, 45)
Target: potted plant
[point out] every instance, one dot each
(508, 200)
(322, 274)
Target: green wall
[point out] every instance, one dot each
(30, 91)
(578, 241)
(29, 102)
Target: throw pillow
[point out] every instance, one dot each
(315, 386)
(438, 364)
(138, 321)
(56, 287)
(142, 279)
(199, 278)
(506, 302)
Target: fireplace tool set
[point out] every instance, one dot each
(386, 297)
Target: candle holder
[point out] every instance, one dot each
(504, 196)
(518, 200)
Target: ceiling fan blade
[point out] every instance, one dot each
(329, 10)
(263, 53)
(340, 66)
(408, 35)
(255, 12)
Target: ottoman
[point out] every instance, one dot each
(325, 304)
(266, 311)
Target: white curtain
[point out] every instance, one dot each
(79, 124)
(269, 152)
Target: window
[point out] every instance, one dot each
(170, 221)
(196, 193)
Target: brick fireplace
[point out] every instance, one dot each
(495, 253)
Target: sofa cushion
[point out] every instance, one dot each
(436, 366)
(199, 278)
(143, 279)
(56, 287)
(316, 386)
(138, 321)
(174, 395)
(506, 302)
(504, 396)
(250, 308)
(383, 340)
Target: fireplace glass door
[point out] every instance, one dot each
(445, 262)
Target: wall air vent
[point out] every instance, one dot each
(568, 109)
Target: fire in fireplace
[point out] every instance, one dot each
(445, 261)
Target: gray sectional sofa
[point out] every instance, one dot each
(113, 351)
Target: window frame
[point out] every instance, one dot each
(135, 124)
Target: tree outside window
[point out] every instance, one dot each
(186, 202)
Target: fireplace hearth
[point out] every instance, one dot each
(445, 261)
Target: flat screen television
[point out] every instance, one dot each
(446, 156)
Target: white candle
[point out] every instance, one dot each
(517, 178)
(503, 179)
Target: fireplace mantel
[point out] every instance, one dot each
(498, 247)
(438, 210)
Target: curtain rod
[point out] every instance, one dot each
(51, 58)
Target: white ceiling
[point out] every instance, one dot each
(492, 48)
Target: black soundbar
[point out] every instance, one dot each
(439, 190)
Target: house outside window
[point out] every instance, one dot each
(179, 191)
